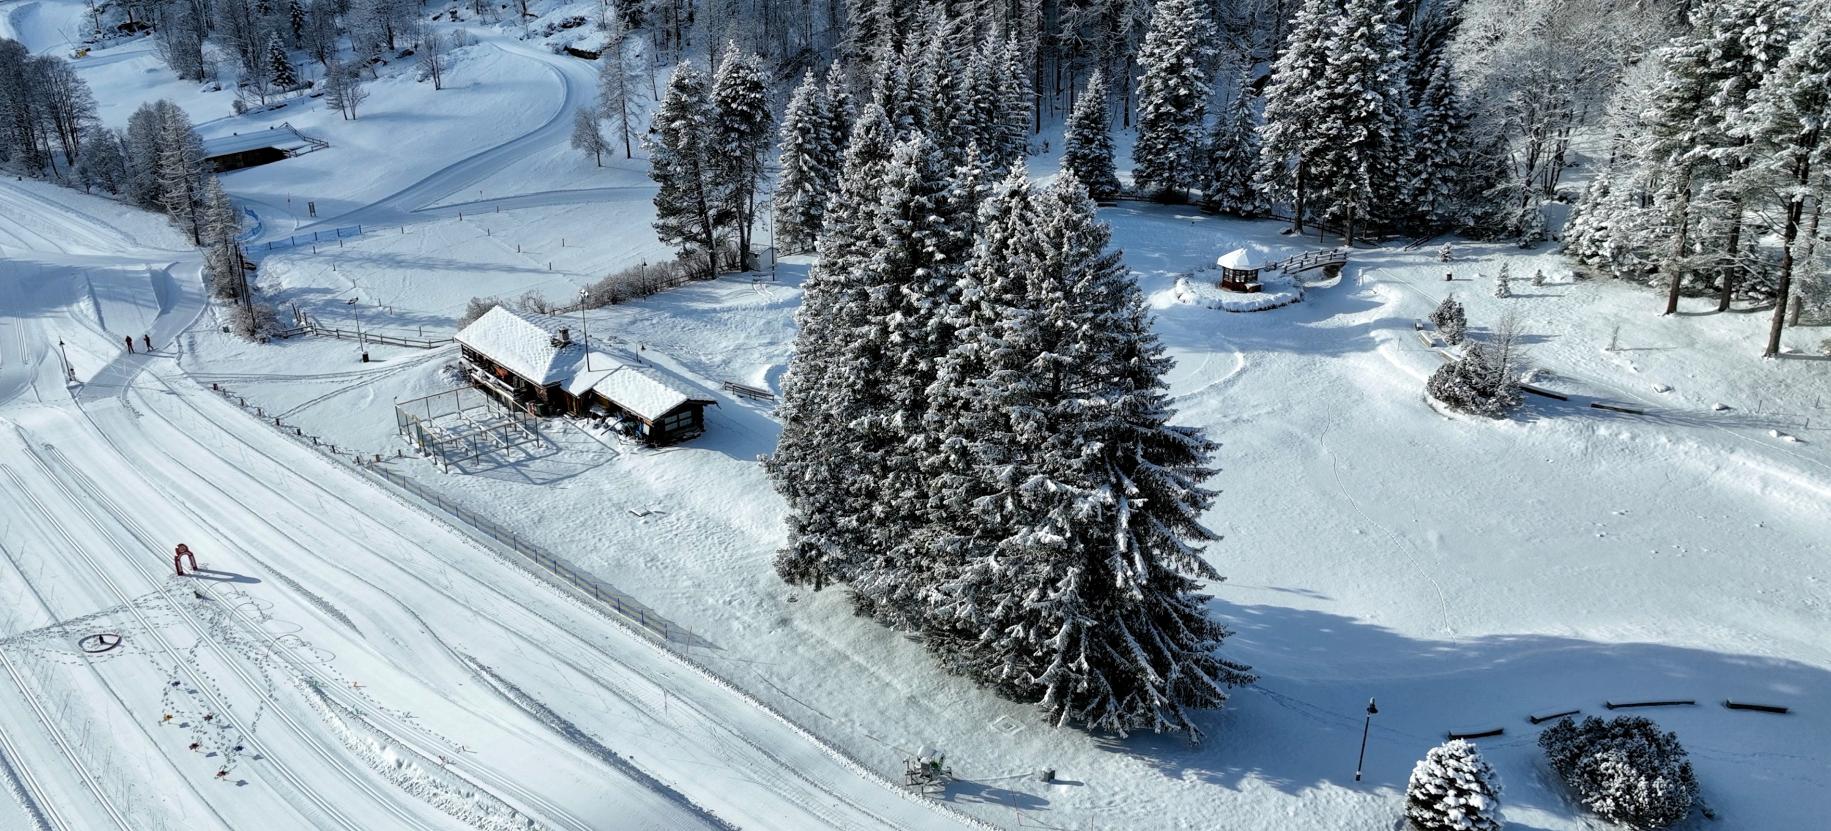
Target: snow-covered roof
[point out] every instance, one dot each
(1240, 260)
(525, 345)
(282, 137)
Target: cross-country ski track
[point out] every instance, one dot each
(362, 664)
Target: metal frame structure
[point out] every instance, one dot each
(464, 424)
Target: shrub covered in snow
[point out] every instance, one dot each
(1624, 769)
(1453, 789)
(1503, 282)
(1479, 382)
(1450, 319)
(1538, 277)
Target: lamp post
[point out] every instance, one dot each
(1372, 710)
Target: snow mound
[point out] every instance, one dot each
(1202, 288)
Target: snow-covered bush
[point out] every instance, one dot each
(476, 308)
(1450, 319)
(1824, 347)
(1479, 382)
(254, 320)
(1453, 789)
(1624, 769)
(1538, 277)
(1503, 282)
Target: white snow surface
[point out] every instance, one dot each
(378, 667)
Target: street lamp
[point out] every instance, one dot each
(1372, 710)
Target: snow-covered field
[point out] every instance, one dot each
(366, 665)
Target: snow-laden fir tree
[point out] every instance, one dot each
(279, 66)
(1450, 319)
(1015, 96)
(742, 127)
(295, 21)
(1172, 98)
(1086, 599)
(903, 288)
(1087, 147)
(680, 149)
(940, 82)
(1361, 109)
(1787, 127)
(979, 113)
(840, 112)
(1232, 159)
(1503, 282)
(1453, 789)
(586, 135)
(804, 178)
(1480, 381)
(812, 467)
(1538, 277)
(1435, 173)
(1290, 138)
(1625, 769)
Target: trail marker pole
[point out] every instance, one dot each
(1372, 710)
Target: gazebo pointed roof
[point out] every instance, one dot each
(1239, 259)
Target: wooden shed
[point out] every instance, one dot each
(1240, 271)
(533, 362)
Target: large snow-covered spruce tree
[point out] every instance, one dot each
(1087, 148)
(1361, 110)
(814, 467)
(1290, 138)
(681, 163)
(1081, 592)
(1172, 98)
(1232, 159)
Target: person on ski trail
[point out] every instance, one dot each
(148, 339)
(183, 551)
(130, 344)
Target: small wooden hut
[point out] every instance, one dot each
(532, 362)
(1240, 271)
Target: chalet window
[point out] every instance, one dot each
(677, 421)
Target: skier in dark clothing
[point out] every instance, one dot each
(178, 554)
(130, 344)
(148, 339)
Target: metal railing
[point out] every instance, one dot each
(297, 240)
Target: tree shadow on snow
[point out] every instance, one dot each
(1299, 727)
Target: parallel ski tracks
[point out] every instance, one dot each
(309, 739)
(771, 772)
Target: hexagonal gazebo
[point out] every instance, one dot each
(1240, 271)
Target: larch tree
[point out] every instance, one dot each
(1087, 147)
(1172, 98)
(1788, 131)
(620, 80)
(586, 135)
(680, 144)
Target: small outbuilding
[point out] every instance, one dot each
(533, 362)
(1240, 271)
(257, 147)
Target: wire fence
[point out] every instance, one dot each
(547, 564)
(316, 236)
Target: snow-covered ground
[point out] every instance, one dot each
(379, 669)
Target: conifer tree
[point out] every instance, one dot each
(1012, 130)
(812, 467)
(742, 128)
(804, 180)
(1232, 159)
(1453, 789)
(1503, 282)
(1087, 148)
(279, 66)
(295, 20)
(1289, 136)
(1089, 601)
(680, 150)
(1172, 98)
(1436, 164)
(1361, 109)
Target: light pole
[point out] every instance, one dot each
(1372, 710)
(69, 371)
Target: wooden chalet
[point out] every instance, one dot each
(532, 362)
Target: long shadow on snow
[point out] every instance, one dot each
(1299, 727)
